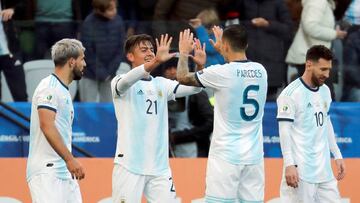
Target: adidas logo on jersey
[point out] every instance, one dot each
(309, 105)
(140, 92)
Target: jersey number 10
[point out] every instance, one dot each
(319, 117)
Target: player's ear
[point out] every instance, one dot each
(71, 62)
(308, 64)
(130, 57)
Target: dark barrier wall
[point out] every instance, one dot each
(95, 130)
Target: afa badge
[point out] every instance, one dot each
(49, 97)
(285, 109)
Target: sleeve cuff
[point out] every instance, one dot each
(46, 107)
(288, 161)
(285, 119)
(176, 88)
(337, 154)
(198, 80)
(116, 89)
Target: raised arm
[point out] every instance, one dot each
(122, 83)
(183, 90)
(186, 45)
(218, 32)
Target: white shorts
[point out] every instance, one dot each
(45, 188)
(128, 187)
(326, 192)
(227, 182)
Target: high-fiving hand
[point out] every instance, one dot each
(199, 54)
(163, 47)
(218, 32)
(186, 42)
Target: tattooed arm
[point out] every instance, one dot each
(186, 45)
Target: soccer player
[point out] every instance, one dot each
(307, 135)
(235, 170)
(52, 170)
(141, 159)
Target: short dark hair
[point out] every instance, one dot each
(236, 35)
(134, 40)
(101, 5)
(170, 63)
(319, 51)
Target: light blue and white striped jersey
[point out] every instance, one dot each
(142, 115)
(53, 95)
(240, 89)
(308, 109)
(352, 14)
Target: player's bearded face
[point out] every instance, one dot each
(79, 67)
(77, 73)
(321, 71)
(316, 80)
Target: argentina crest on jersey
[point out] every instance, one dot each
(160, 94)
(47, 99)
(285, 109)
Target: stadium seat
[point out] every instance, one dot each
(36, 70)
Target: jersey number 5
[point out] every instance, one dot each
(247, 100)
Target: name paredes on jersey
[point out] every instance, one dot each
(250, 73)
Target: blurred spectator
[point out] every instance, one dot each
(54, 20)
(317, 27)
(127, 11)
(86, 8)
(172, 16)
(103, 37)
(9, 65)
(341, 7)
(145, 15)
(295, 9)
(190, 120)
(351, 21)
(269, 27)
(203, 24)
(232, 18)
